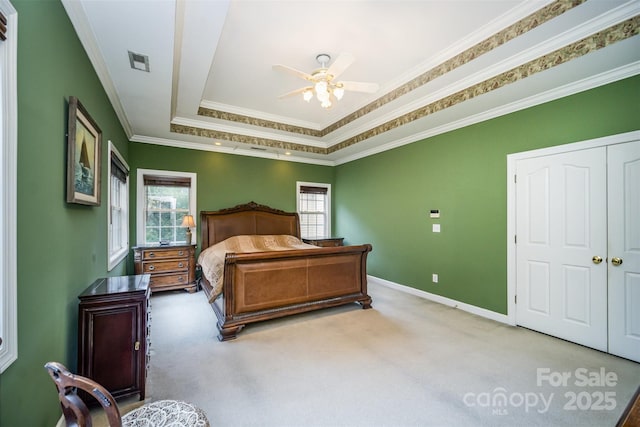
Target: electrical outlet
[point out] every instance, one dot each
(434, 278)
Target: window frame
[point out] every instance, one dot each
(9, 190)
(140, 200)
(115, 256)
(299, 184)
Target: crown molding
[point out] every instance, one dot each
(573, 88)
(248, 133)
(226, 149)
(80, 23)
(258, 115)
(602, 79)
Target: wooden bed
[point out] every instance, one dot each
(265, 285)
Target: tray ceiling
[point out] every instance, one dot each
(440, 65)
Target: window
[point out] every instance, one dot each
(164, 198)
(8, 188)
(118, 207)
(314, 208)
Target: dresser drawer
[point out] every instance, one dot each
(170, 267)
(162, 266)
(149, 255)
(159, 281)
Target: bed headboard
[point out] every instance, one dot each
(250, 218)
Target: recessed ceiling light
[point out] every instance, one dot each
(287, 153)
(139, 61)
(218, 143)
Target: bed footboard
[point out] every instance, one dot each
(267, 285)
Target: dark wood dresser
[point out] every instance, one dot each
(113, 333)
(326, 242)
(170, 266)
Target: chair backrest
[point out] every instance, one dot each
(76, 412)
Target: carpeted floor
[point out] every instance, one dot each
(406, 362)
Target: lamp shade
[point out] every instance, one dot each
(187, 221)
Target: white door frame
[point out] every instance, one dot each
(511, 200)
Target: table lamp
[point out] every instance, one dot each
(187, 221)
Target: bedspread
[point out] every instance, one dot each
(212, 259)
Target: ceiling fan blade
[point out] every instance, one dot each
(360, 86)
(293, 71)
(295, 92)
(341, 63)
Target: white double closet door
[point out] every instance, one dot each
(578, 247)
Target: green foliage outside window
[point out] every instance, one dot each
(165, 208)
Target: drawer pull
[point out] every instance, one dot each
(180, 279)
(151, 268)
(181, 265)
(151, 254)
(181, 253)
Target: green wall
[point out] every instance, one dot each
(382, 199)
(61, 247)
(385, 199)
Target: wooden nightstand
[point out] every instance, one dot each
(113, 334)
(327, 242)
(170, 266)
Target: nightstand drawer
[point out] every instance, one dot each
(175, 264)
(160, 280)
(161, 266)
(149, 255)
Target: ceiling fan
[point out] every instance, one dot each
(323, 80)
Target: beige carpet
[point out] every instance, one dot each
(406, 362)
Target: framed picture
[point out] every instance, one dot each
(83, 156)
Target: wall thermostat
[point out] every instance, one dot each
(434, 213)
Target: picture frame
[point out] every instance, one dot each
(84, 156)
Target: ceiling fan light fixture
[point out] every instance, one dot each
(321, 89)
(338, 92)
(324, 84)
(323, 59)
(307, 95)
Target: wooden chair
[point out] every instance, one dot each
(76, 412)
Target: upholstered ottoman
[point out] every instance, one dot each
(165, 413)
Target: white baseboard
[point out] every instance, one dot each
(483, 312)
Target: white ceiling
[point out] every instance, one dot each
(218, 55)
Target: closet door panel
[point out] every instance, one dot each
(624, 249)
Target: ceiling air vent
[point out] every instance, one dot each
(139, 62)
(259, 148)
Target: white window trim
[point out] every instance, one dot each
(316, 184)
(115, 257)
(8, 198)
(140, 202)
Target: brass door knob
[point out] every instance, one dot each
(616, 261)
(596, 259)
